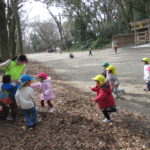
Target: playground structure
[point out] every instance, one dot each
(141, 31)
(140, 34)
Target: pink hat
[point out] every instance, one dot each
(43, 75)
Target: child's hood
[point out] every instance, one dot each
(7, 86)
(47, 80)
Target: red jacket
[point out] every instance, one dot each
(104, 96)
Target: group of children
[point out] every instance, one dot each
(20, 91)
(106, 83)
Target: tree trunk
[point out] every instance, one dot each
(14, 5)
(4, 48)
(58, 23)
(12, 31)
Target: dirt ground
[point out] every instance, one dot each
(76, 125)
(79, 71)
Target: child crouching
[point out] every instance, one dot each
(25, 100)
(104, 97)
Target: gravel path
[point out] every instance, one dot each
(82, 68)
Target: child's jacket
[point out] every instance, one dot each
(146, 73)
(9, 87)
(104, 96)
(25, 98)
(46, 88)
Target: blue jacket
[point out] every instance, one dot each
(12, 89)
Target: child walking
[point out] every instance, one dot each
(104, 97)
(25, 101)
(146, 77)
(113, 81)
(46, 89)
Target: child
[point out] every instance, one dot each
(105, 66)
(11, 90)
(25, 101)
(146, 64)
(90, 52)
(104, 97)
(46, 88)
(113, 81)
(115, 48)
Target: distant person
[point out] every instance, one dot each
(71, 56)
(113, 81)
(115, 48)
(146, 77)
(90, 52)
(47, 93)
(104, 97)
(25, 101)
(15, 67)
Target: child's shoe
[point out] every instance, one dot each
(106, 120)
(123, 91)
(30, 128)
(9, 118)
(51, 110)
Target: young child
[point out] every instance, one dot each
(146, 77)
(104, 97)
(25, 101)
(115, 48)
(105, 66)
(11, 89)
(113, 81)
(46, 89)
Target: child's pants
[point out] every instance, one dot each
(30, 116)
(48, 102)
(115, 91)
(107, 111)
(148, 85)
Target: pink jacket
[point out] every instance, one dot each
(46, 88)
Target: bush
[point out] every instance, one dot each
(100, 42)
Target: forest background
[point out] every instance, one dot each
(80, 25)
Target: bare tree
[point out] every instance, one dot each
(4, 48)
(15, 7)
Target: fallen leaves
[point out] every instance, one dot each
(76, 125)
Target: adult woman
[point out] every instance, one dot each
(15, 67)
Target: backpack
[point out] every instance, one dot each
(5, 97)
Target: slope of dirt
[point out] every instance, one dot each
(76, 125)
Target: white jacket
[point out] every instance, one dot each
(146, 73)
(25, 98)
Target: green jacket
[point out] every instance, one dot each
(15, 70)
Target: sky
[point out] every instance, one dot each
(38, 11)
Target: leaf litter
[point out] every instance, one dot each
(76, 125)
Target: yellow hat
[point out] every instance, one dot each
(100, 78)
(113, 68)
(145, 59)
